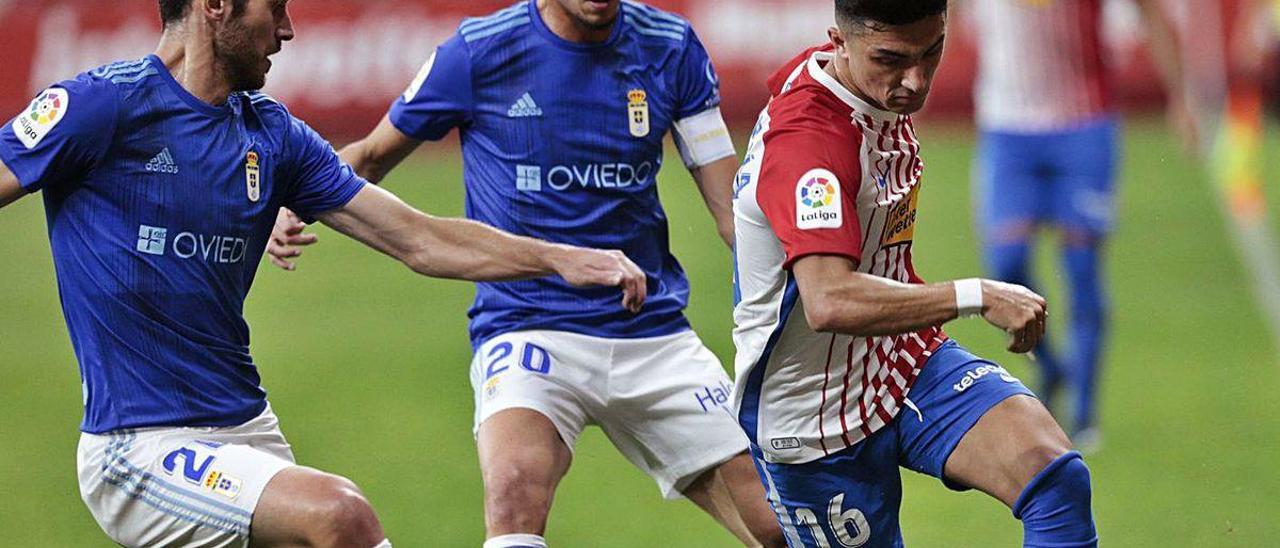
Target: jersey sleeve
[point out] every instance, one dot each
(440, 97)
(62, 134)
(318, 180)
(808, 190)
(697, 85)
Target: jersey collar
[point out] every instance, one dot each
(836, 88)
(186, 96)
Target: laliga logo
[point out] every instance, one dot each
(817, 193)
(46, 109)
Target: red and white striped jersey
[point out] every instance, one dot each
(825, 173)
(1040, 64)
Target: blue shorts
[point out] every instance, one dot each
(1066, 179)
(852, 498)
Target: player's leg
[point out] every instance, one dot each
(668, 414)
(306, 507)
(522, 460)
(1012, 199)
(531, 390)
(731, 493)
(1084, 212)
(991, 434)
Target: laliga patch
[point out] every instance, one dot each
(901, 226)
(638, 112)
(420, 79)
(818, 201)
(252, 177)
(222, 484)
(44, 113)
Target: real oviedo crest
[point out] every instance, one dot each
(638, 112)
(252, 177)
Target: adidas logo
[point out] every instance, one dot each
(524, 108)
(163, 163)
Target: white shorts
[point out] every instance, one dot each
(664, 402)
(180, 486)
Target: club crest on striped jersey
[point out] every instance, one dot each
(818, 201)
(44, 113)
(638, 112)
(252, 176)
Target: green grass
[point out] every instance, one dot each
(367, 367)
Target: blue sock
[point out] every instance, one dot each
(1007, 262)
(1056, 506)
(1087, 326)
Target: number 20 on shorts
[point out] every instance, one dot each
(532, 358)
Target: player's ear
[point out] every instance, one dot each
(837, 39)
(214, 10)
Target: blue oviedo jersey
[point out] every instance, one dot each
(159, 207)
(563, 141)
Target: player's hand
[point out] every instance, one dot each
(586, 267)
(287, 239)
(1017, 310)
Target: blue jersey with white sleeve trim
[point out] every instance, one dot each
(563, 141)
(159, 207)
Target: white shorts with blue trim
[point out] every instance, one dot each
(664, 402)
(181, 486)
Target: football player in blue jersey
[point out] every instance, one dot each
(562, 107)
(161, 180)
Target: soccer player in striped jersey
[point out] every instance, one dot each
(161, 180)
(562, 107)
(1047, 157)
(843, 371)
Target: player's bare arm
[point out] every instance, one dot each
(10, 189)
(715, 182)
(467, 250)
(379, 152)
(839, 299)
(371, 158)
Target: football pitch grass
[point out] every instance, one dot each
(366, 365)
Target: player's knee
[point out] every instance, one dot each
(1056, 505)
(517, 497)
(768, 533)
(345, 517)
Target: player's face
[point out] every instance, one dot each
(243, 43)
(892, 66)
(592, 14)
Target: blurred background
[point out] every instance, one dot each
(366, 364)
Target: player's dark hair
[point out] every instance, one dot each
(877, 14)
(173, 11)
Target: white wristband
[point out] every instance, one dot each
(969, 297)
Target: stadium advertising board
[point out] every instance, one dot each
(352, 58)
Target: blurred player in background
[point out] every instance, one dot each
(162, 178)
(1048, 155)
(562, 107)
(843, 371)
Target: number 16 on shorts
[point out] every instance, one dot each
(850, 527)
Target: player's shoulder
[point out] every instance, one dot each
(268, 114)
(655, 26)
(802, 108)
(121, 77)
(515, 18)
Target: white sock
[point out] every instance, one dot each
(386, 543)
(516, 541)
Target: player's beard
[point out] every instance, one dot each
(237, 60)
